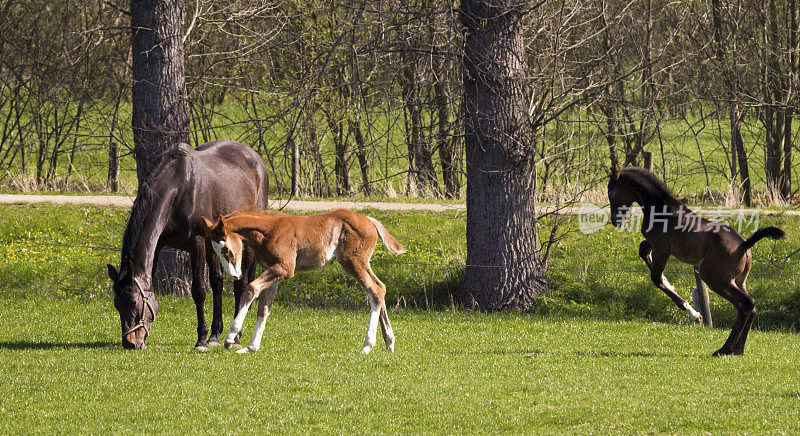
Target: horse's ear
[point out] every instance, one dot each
(206, 224)
(615, 171)
(112, 273)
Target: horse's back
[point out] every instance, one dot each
(230, 158)
(215, 178)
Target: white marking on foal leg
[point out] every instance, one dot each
(255, 343)
(389, 339)
(693, 314)
(236, 325)
(372, 328)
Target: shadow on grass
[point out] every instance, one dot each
(55, 345)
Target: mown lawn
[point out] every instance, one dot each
(603, 352)
(62, 370)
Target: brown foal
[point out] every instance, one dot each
(671, 229)
(284, 244)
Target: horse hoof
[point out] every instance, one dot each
(722, 352)
(366, 350)
(201, 348)
(212, 344)
(699, 320)
(246, 350)
(233, 346)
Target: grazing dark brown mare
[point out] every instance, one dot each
(284, 244)
(215, 178)
(670, 228)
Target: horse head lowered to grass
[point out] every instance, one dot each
(284, 244)
(721, 255)
(216, 177)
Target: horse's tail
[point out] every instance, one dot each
(766, 232)
(388, 240)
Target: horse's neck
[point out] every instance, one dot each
(142, 254)
(654, 204)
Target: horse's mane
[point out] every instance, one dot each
(145, 201)
(644, 180)
(142, 206)
(253, 212)
(250, 218)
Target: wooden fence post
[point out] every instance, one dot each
(700, 299)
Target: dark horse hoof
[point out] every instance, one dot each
(201, 346)
(213, 341)
(724, 352)
(233, 345)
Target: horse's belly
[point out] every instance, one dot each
(311, 260)
(692, 258)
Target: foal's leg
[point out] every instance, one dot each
(215, 277)
(264, 307)
(738, 349)
(386, 326)
(376, 292)
(657, 261)
(198, 260)
(248, 275)
(271, 276)
(745, 311)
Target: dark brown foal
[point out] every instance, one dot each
(671, 229)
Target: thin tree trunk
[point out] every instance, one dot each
(741, 154)
(340, 152)
(112, 180)
(292, 145)
(444, 141)
(361, 153)
(504, 266)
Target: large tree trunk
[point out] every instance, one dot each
(504, 265)
(160, 114)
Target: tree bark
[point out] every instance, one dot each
(160, 115)
(504, 265)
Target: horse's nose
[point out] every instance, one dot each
(126, 344)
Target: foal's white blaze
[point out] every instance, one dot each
(372, 328)
(233, 271)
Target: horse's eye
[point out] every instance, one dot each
(223, 250)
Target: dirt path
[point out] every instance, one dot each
(312, 206)
(297, 205)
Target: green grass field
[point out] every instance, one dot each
(603, 352)
(63, 371)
